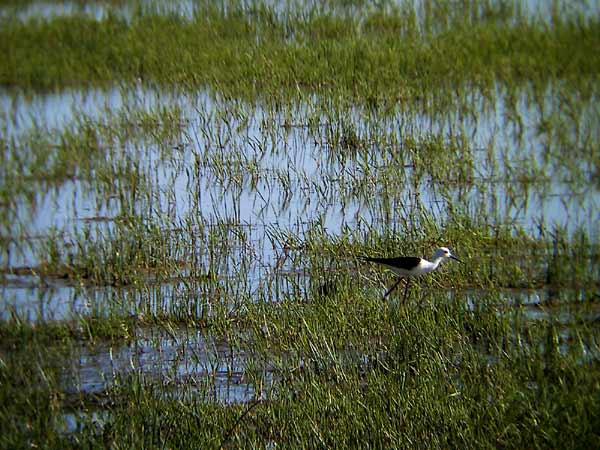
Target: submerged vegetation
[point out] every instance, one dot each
(185, 192)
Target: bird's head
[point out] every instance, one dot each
(444, 253)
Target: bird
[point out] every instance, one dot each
(412, 266)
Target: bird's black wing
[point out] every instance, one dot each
(403, 262)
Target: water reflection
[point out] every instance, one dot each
(241, 179)
(203, 365)
(251, 168)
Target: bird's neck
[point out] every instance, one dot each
(435, 263)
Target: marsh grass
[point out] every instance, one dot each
(245, 54)
(311, 110)
(348, 368)
(104, 152)
(380, 374)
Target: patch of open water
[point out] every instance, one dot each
(204, 364)
(255, 170)
(181, 363)
(270, 174)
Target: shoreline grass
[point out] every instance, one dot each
(242, 54)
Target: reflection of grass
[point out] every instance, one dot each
(106, 152)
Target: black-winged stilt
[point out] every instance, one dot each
(412, 266)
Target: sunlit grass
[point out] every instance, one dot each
(381, 57)
(307, 111)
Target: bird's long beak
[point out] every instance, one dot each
(455, 258)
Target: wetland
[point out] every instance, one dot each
(186, 192)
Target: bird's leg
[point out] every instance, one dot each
(406, 290)
(393, 287)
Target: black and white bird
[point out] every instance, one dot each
(412, 266)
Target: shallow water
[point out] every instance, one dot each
(254, 169)
(97, 10)
(236, 189)
(247, 180)
(183, 363)
(208, 367)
